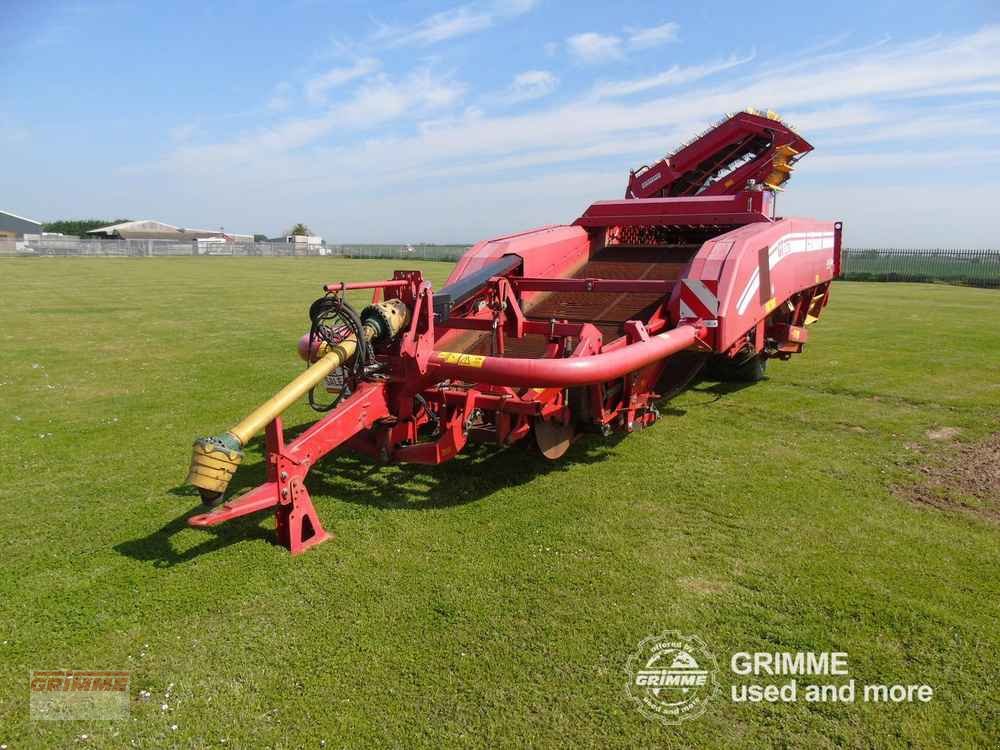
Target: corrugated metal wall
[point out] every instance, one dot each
(11, 223)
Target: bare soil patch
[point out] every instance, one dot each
(966, 478)
(943, 433)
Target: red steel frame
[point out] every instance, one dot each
(735, 136)
(753, 285)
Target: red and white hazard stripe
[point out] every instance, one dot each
(699, 299)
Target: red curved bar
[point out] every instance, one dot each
(568, 371)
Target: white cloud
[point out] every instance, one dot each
(992, 87)
(883, 215)
(847, 105)
(880, 163)
(637, 148)
(673, 76)
(317, 88)
(445, 25)
(586, 122)
(529, 85)
(10, 132)
(810, 94)
(182, 133)
(653, 36)
(591, 47)
(280, 98)
(452, 23)
(890, 72)
(900, 128)
(375, 102)
(382, 99)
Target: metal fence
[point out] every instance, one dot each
(967, 267)
(413, 252)
(73, 247)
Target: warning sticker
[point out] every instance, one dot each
(466, 360)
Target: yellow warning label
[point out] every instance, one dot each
(770, 305)
(465, 360)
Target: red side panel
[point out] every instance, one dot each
(742, 208)
(746, 273)
(550, 251)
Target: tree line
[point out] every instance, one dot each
(78, 227)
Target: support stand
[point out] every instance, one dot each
(297, 522)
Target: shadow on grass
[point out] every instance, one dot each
(158, 547)
(476, 473)
(718, 389)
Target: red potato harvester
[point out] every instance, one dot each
(550, 333)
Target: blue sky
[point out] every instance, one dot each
(443, 122)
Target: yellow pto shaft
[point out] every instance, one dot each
(214, 460)
(256, 420)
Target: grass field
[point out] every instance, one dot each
(494, 600)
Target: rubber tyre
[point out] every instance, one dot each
(751, 370)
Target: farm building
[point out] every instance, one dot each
(147, 229)
(18, 226)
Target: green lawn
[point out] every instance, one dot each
(494, 600)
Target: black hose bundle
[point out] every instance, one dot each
(333, 321)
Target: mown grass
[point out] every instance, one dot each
(494, 600)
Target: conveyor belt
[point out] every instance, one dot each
(606, 310)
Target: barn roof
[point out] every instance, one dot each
(22, 218)
(150, 226)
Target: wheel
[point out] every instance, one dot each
(748, 369)
(552, 438)
(751, 370)
(678, 372)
